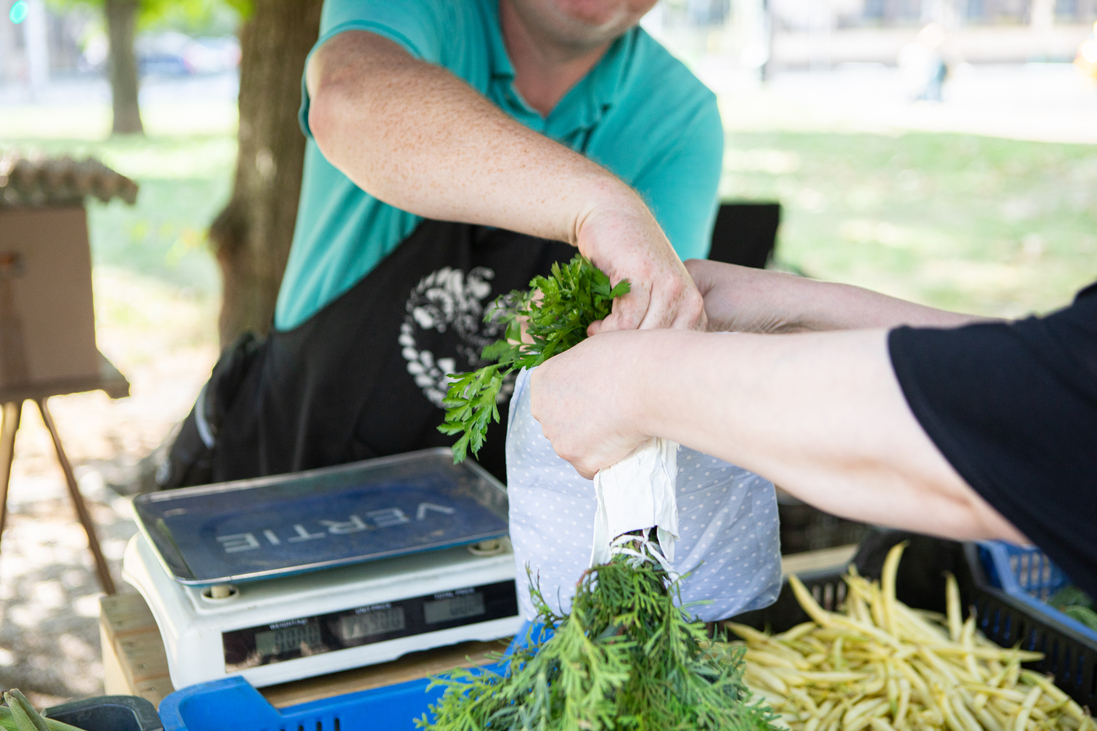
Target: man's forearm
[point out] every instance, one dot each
(417, 137)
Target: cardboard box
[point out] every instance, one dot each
(47, 317)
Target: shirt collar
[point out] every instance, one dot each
(585, 103)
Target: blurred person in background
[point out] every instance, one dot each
(1086, 60)
(922, 66)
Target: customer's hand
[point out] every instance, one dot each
(589, 400)
(741, 299)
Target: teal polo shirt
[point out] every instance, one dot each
(639, 112)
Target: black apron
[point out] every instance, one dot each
(365, 376)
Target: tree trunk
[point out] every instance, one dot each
(121, 21)
(251, 237)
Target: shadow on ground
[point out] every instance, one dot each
(49, 594)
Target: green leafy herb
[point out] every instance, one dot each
(625, 658)
(556, 311)
(1076, 604)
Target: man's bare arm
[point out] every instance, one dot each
(820, 414)
(417, 137)
(742, 299)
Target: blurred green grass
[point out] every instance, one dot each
(978, 224)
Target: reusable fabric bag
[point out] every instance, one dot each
(727, 547)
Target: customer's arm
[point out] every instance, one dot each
(742, 299)
(821, 414)
(417, 137)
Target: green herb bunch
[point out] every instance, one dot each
(556, 311)
(625, 658)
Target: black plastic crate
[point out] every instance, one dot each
(804, 528)
(108, 713)
(1069, 657)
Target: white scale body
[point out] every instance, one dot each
(291, 576)
(361, 602)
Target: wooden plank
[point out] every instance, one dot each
(154, 691)
(134, 661)
(124, 614)
(114, 678)
(109, 380)
(826, 558)
(142, 657)
(413, 666)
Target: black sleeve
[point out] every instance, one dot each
(1013, 408)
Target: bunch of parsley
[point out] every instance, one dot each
(556, 312)
(625, 658)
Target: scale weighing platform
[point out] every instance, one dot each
(287, 577)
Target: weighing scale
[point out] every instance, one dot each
(287, 577)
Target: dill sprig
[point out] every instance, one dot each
(555, 311)
(624, 658)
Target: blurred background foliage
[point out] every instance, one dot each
(978, 224)
(194, 17)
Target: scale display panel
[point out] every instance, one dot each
(277, 526)
(314, 635)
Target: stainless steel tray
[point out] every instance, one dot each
(304, 521)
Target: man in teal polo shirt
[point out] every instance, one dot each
(455, 149)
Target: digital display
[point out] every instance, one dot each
(455, 607)
(368, 624)
(287, 639)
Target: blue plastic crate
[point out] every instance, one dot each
(1029, 575)
(233, 705)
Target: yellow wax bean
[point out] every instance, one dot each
(829, 678)
(962, 713)
(950, 717)
(800, 629)
(887, 584)
(807, 601)
(904, 702)
(952, 602)
(987, 719)
(769, 659)
(879, 724)
(766, 679)
(1026, 708)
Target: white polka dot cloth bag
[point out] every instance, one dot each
(728, 546)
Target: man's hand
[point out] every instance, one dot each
(624, 240)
